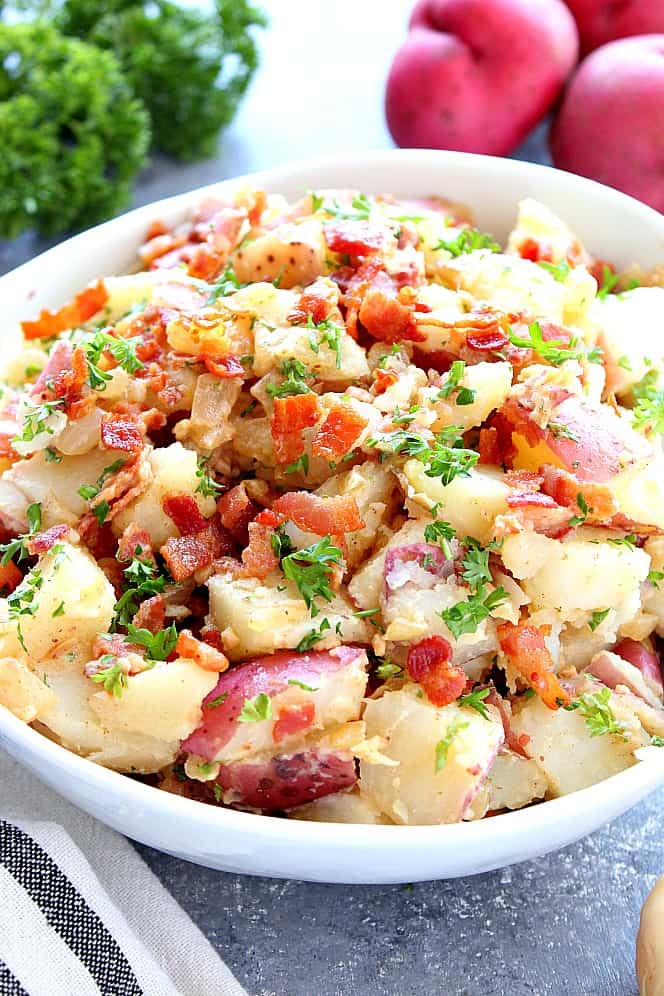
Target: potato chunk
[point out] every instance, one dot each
(295, 254)
(470, 503)
(415, 732)
(22, 691)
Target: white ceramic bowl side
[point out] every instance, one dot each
(614, 227)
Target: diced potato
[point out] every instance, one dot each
(415, 732)
(507, 283)
(134, 290)
(174, 470)
(653, 597)
(631, 334)
(21, 364)
(54, 485)
(293, 254)
(373, 488)
(263, 618)
(73, 602)
(22, 691)
(470, 503)
(537, 221)
(513, 782)
(164, 702)
(446, 306)
(577, 577)
(562, 745)
(491, 383)
(276, 343)
(639, 492)
(341, 807)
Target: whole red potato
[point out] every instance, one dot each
(611, 124)
(477, 75)
(602, 21)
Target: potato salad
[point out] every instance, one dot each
(340, 510)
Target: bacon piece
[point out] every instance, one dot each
(354, 285)
(646, 661)
(114, 644)
(212, 636)
(332, 516)
(429, 664)
(489, 446)
(126, 484)
(357, 238)
(535, 251)
(336, 436)
(42, 542)
(135, 542)
(314, 302)
(98, 539)
(183, 510)
(65, 376)
(10, 578)
(205, 655)
(290, 417)
(121, 432)
(258, 557)
(383, 379)
(86, 304)
(151, 614)
(565, 488)
(487, 340)
(223, 366)
(518, 744)
(236, 510)
(184, 555)
(527, 651)
(206, 262)
(386, 318)
(531, 510)
(296, 717)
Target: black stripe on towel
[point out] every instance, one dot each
(9, 984)
(67, 912)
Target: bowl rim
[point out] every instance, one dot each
(631, 783)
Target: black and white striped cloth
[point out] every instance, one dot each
(82, 915)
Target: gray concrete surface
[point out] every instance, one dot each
(561, 926)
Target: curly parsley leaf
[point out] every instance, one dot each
(608, 282)
(444, 744)
(328, 332)
(16, 548)
(311, 569)
(465, 617)
(559, 271)
(207, 486)
(469, 240)
(463, 395)
(296, 377)
(578, 520)
(158, 646)
(440, 533)
(597, 618)
(113, 677)
(256, 709)
(475, 700)
(596, 709)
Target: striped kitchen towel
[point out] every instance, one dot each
(82, 915)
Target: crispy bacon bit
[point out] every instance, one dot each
(269, 518)
(206, 262)
(383, 379)
(223, 366)
(357, 238)
(126, 484)
(489, 447)
(515, 743)
(332, 516)
(535, 251)
(157, 227)
(184, 555)
(86, 304)
(205, 655)
(258, 557)
(487, 340)
(565, 488)
(354, 285)
(121, 432)
(531, 510)
(212, 636)
(429, 665)
(42, 542)
(10, 578)
(183, 510)
(65, 376)
(527, 651)
(151, 614)
(98, 539)
(236, 511)
(296, 717)
(316, 302)
(386, 318)
(338, 433)
(290, 417)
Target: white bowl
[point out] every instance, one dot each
(614, 227)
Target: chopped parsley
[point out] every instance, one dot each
(302, 685)
(608, 282)
(311, 569)
(444, 744)
(313, 637)
(629, 541)
(58, 611)
(328, 332)
(596, 710)
(143, 580)
(90, 491)
(123, 352)
(256, 709)
(475, 564)
(468, 240)
(465, 617)
(655, 577)
(280, 542)
(35, 420)
(656, 741)
(300, 465)
(559, 271)
(648, 409)
(216, 701)
(448, 458)
(207, 486)
(113, 677)
(101, 511)
(475, 700)
(16, 548)
(360, 208)
(369, 614)
(440, 532)
(225, 285)
(51, 456)
(464, 395)
(296, 375)
(386, 669)
(402, 441)
(561, 431)
(578, 520)
(597, 618)
(158, 646)
(554, 351)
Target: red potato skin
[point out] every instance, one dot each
(476, 76)
(602, 21)
(288, 780)
(611, 124)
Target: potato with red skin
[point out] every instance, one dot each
(602, 21)
(476, 76)
(610, 124)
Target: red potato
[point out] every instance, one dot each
(287, 780)
(602, 21)
(610, 125)
(477, 76)
(334, 684)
